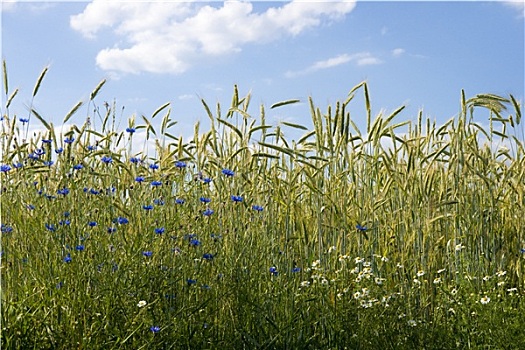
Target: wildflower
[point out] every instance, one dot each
(67, 214)
(207, 180)
(331, 249)
(147, 253)
(6, 229)
(121, 221)
(379, 281)
(134, 160)
(33, 156)
(207, 256)
(412, 323)
(39, 151)
(296, 269)
(359, 260)
(5, 168)
(305, 284)
(208, 212)
(357, 295)
(30, 207)
(257, 208)
(154, 329)
(93, 191)
(485, 300)
(142, 303)
(190, 281)
(361, 228)
(92, 223)
(106, 159)
(459, 247)
(131, 130)
(139, 179)
(228, 172)
(79, 248)
(420, 273)
(48, 163)
(147, 207)
(46, 141)
(77, 167)
(67, 258)
(50, 227)
(91, 148)
(180, 164)
(159, 230)
(236, 198)
(158, 201)
(441, 270)
(153, 166)
(437, 280)
(17, 165)
(501, 273)
(195, 242)
(112, 229)
(179, 201)
(64, 222)
(155, 183)
(69, 140)
(205, 200)
(63, 191)
(24, 121)
(273, 271)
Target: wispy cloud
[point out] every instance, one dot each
(398, 52)
(170, 37)
(519, 5)
(361, 59)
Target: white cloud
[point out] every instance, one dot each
(519, 5)
(170, 37)
(360, 58)
(398, 52)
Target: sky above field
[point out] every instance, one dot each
(418, 54)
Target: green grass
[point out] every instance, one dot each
(404, 235)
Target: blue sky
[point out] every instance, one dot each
(418, 54)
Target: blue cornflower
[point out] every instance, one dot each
(154, 329)
(228, 172)
(215, 237)
(153, 166)
(296, 269)
(522, 250)
(112, 229)
(147, 207)
(48, 196)
(195, 242)
(155, 183)
(236, 198)
(17, 165)
(147, 253)
(134, 160)
(180, 164)
(78, 166)
(160, 230)
(59, 150)
(360, 228)
(91, 148)
(30, 207)
(64, 222)
(49, 163)
(208, 212)
(24, 120)
(67, 258)
(63, 191)
(131, 130)
(207, 180)
(207, 256)
(39, 151)
(106, 159)
(158, 201)
(67, 214)
(257, 208)
(46, 140)
(205, 200)
(121, 221)
(69, 140)
(6, 228)
(273, 271)
(50, 227)
(179, 201)
(92, 224)
(5, 168)
(79, 248)
(93, 191)
(191, 281)
(33, 156)
(139, 179)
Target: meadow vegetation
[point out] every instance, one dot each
(404, 235)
